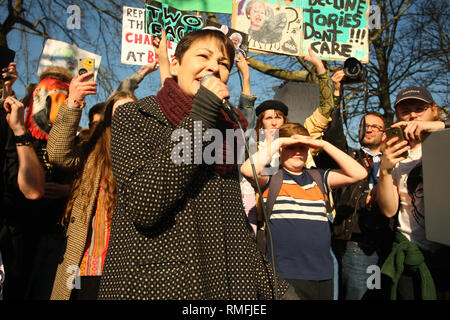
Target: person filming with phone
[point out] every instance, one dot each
(418, 267)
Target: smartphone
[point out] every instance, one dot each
(86, 65)
(396, 132)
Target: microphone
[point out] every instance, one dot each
(226, 105)
(231, 112)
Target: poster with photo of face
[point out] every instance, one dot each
(239, 39)
(271, 27)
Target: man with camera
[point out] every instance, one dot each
(362, 236)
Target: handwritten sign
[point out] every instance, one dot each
(200, 5)
(137, 46)
(337, 31)
(175, 22)
(178, 23)
(63, 54)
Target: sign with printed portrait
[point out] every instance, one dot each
(335, 30)
(271, 27)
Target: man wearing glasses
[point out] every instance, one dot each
(424, 264)
(362, 235)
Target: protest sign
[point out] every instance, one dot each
(175, 22)
(137, 46)
(271, 27)
(178, 23)
(62, 54)
(335, 30)
(215, 6)
(239, 38)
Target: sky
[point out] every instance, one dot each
(31, 47)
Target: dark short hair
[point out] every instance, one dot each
(190, 38)
(376, 114)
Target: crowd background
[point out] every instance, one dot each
(416, 40)
(50, 243)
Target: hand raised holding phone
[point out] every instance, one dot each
(393, 132)
(80, 88)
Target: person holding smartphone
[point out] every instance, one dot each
(400, 192)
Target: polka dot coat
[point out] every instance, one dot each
(179, 231)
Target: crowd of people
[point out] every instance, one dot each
(106, 213)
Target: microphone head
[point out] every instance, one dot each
(206, 77)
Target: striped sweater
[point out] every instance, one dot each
(300, 229)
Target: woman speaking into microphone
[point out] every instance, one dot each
(179, 230)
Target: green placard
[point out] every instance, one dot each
(216, 6)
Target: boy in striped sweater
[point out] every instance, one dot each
(299, 224)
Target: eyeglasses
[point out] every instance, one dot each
(374, 127)
(418, 110)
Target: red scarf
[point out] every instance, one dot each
(176, 106)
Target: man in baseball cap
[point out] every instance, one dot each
(417, 115)
(415, 93)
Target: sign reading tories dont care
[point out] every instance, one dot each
(334, 29)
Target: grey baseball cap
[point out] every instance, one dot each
(418, 93)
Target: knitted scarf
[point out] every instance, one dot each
(406, 254)
(176, 106)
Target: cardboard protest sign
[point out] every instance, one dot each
(239, 38)
(271, 26)
(62, 54)
(137, 46)
(200, 5)
(178, 23)
(337, 31)
(175, 22)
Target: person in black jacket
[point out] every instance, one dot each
(22, 178)
(362, 235)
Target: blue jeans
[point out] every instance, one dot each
(354, 271)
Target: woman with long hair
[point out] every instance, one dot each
(87, 218)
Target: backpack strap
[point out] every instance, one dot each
(274, 189)
(317, 177)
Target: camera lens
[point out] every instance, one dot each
(352, 67)
(354, 71)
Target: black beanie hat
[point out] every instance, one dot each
(272, 104)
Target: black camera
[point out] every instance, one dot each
(354, 71)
